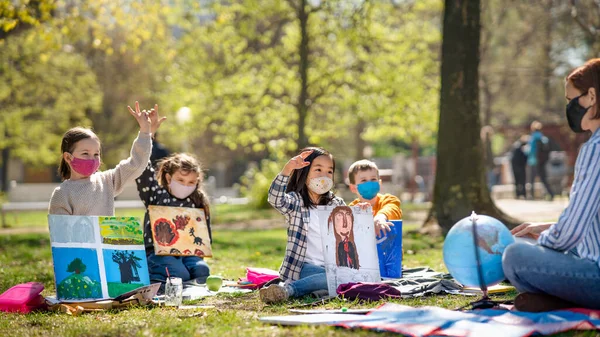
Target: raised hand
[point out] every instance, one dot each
(141, 117)
(155, 119)
(297, 162)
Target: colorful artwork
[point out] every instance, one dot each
(349, 246)
(121, 231)
(97, 257)
(179, 231)
(124, 270)
(77, 273)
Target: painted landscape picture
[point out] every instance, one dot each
(179, 231)
(97, 257)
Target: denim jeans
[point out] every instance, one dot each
(186, 267)
(537, 269)
(312, 278)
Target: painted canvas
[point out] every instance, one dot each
(121, 231)
(349, 245)
(124, 270)
(77, 273)
(97, 257)
(179, 231)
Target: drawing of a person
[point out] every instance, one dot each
(342, 221)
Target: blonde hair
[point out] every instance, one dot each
(69, 140)
(359, 166)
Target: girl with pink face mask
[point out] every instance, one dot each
(303, 183)
(177, 183)
(84, 190)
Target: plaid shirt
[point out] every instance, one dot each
(298, 217)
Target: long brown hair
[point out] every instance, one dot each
(69, 140)
(186, 163)
(338, 238)
(585, 77)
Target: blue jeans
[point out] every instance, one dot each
(312, 278)
(186, 267)
(537, 269)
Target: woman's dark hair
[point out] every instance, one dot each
(585, 77)
(70, 138)
(185, 163)
(297, 182)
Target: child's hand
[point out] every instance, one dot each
(141, 117)
(295, 163)
(155, 119)
(363, 206)
(382, 226)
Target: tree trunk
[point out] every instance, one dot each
(460, 184)
(303, 103)
(5, 160)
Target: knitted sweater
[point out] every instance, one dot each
(95, 195)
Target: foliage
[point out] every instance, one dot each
(76, 266)
(256, 181)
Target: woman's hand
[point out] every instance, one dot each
(141, 117)
(155, 119)
(297, 162)
(530, 229)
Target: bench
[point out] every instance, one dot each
(43, 206)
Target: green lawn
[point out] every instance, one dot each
(27, 257)
(222, 214)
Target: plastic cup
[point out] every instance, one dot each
(173, 291)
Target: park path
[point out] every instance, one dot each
(524, 210)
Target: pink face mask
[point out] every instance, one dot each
(85, 167)
(181, 191)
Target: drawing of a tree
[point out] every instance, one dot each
(76, 266)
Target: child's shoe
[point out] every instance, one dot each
(273, 293)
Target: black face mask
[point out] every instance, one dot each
(575, 113)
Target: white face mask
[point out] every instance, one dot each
(181, 191)
(320, 185)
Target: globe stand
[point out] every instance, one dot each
(484, 302)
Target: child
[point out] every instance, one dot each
(304, 183)
(179, 184)
(365, 182)
(87, 192)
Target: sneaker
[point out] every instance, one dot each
(273, 293)
(531, 302)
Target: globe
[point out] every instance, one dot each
(459, 250)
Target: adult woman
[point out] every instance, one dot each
(563, 270)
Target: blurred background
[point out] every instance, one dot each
(246, 84)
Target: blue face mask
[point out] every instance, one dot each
(368, 190)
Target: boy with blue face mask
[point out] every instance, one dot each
(364, 182)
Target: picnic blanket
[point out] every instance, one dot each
(433, 321)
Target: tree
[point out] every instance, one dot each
(76, 266)
(460, 185)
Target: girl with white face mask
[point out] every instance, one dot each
(305, 182)
(177, 183)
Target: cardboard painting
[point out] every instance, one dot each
(179, 231)
(97, 257)
(349, 245)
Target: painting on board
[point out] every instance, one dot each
(179, 231)
(97, 257)
(349, 245)
(121, 230)
(125, 270)
(76, 273)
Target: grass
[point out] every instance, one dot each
(27, 257)
(222, 214)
